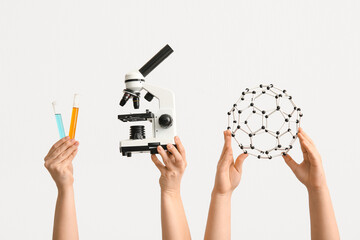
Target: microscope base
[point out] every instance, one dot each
(128, 149)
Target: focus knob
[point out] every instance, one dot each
(165, 121)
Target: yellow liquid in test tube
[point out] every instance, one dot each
(74, 117)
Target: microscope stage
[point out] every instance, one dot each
(136, 117)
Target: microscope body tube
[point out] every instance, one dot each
(74, 117)
(59, 121)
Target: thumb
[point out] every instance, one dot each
(157, 163)
(290, 162)
(239, 161)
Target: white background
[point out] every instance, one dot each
(52, 49)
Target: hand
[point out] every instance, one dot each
(310, 171)
(59, 162)
(228, 173)
(173, 170)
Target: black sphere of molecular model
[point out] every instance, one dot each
(264, 121)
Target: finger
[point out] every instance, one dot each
(303, 148)
(164, 156)
(290, 162)
(239, 161)
(310, 149)
(306, 136)
(67, 153)
(171, 158)
(171, 148)
(58, 143)
(180, 146)
(227, 144)
(59, 150)
(157, 163)
(227, 138)
(71, 157)
(226, 154)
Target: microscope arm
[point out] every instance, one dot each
(166, 97)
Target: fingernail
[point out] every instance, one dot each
(169, 146)
(67, 137)
(159, 148)
(72, 140)
(77, 144)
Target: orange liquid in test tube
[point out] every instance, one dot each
(74, 116)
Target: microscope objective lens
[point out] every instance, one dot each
(136, 102)
(124, 99)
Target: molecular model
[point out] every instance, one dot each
(264, 121)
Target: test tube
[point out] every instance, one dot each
(74, 116)
(59, 121)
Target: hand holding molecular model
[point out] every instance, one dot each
(229, 172)
(310, 171)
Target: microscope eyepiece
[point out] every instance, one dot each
(156, 60)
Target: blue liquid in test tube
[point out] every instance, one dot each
(60, 125)
(59, 121)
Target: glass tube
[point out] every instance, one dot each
(59, 121)
(74, 116)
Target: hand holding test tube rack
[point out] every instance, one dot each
(74, 117)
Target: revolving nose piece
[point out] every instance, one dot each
(124, 99)
(136, 101)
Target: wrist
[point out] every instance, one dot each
(170, 193)
(317, 189)
(65, 188)
(224, 195)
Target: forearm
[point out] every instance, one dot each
(218, 225)
(322, 216)
(173, 218)
(65, 224)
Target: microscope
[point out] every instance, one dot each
(163, 121)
